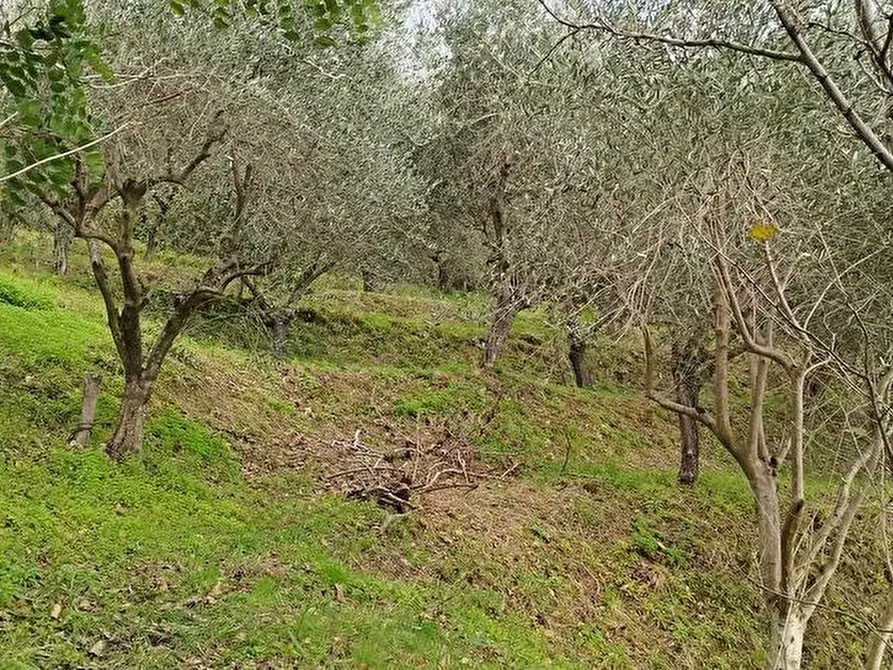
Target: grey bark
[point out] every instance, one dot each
(81, 434)
(127, 432)
(62, 237)
(507, 309)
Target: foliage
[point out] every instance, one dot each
(45, 67)
(43, 72)
(649, 177)
(13, 292)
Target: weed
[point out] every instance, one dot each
(642, 540)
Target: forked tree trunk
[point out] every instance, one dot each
(796, 565)
(443, 277)
(507, 310)
(127, 433)
(62, 238)
(278, 318)
(577, 356)
(123, 314)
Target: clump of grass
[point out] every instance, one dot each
(24, 293)
(452, 399)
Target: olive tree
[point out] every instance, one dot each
(761, 221)
(170, 122)
(104, 211)
(515, 163)
(797, 303)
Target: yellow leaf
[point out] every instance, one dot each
(762, 231)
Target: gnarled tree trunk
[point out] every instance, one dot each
(577, 356)
(439, 258)
(507, 308)
(127, 432)
(124, 310)
(151, 243)
(509, 298)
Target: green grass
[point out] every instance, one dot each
(173, 556)
(199, 553)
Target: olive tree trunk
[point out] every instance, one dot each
(796, 564)
(510, 298)
(124, 307)
(279, 317)
(127, 432)
(878, 646)
(688, 364)
(577, 354)
(786, 643)
(62, 237)
(280, 323)
(368, 281)
(508, 307)
(689, 437)
(787, 619)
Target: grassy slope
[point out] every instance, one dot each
(216, 547)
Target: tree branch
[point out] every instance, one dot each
(308, 276)
(603, 26)
(843, 104)
(216, 132)
(64, 154)
(773, 354)
(100, 275)
(701, 416)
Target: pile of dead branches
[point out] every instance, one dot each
(397, 477)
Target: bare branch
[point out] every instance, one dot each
(843, 104)
(602, 26)
(701, 416)
(64, 154)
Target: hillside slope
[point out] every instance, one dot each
(231, 541)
